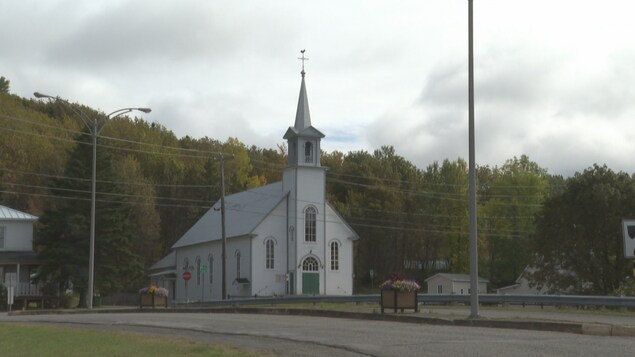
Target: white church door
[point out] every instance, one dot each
(310, 277)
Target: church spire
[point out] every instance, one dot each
(302, 115)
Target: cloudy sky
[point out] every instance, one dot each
(555, 80)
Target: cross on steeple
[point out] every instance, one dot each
(303, 59)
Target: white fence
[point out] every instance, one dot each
(27, 289)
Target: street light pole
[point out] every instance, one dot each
(472, 171)
(93, 198)
(93, 126)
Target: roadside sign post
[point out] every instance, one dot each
(10, 294)
(628, 226)
(186, 276)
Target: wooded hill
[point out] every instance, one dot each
(152, 186)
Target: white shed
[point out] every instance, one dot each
(445, 283)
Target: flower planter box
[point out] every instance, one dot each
(394, 299)
(152, 300)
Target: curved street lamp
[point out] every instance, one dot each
(94, 128)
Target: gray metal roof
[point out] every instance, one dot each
(169, 261)
(18, 257)
(10, 214)
(243, 213)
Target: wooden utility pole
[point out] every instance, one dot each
(222, 224)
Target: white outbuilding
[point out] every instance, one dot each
(446, 283)
(283, 238)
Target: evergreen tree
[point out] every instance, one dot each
(64, 238)
(4, 85)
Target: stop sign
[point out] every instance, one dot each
(187, 276)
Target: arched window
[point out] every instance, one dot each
(310, 214)
(269, 257)
(198, 271)
(335, 255)
(238, 264)
(211, 269)
(310, 264)
(186, 264)
(308, 152)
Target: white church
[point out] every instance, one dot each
(283, 238)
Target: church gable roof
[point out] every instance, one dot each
(243, 213)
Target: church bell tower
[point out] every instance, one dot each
(305, 180)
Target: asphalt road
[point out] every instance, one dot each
(317, 336)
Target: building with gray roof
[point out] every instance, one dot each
(283, 238)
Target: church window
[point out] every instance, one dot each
(335, 256)
(310, 214)
(211, 269)
(308, 152)
(198, 271)
(186, 265)
(310, 264)
(238, 264)
(269, 257)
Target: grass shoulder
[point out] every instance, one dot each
(36, 340)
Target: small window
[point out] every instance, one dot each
(2, 229)
(269, 257)
(211, 269)
(308, 152)
(310, 264)
(310, 215)
(461, 291)
(198, 271)
(439, 289)
(335, 256)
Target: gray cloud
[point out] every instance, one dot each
(380, 73)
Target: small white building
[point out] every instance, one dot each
(283, 238)
(18, 260)
(445, 283)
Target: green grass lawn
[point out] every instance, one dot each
(32, 340)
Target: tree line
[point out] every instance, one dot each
(153, 186)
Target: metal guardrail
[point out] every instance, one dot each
(549, 300)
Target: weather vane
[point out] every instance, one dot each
(303, 59)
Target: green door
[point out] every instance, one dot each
(310, 283)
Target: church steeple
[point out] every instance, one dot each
(303, 139)
(302, 115)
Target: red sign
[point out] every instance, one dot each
(187, 276)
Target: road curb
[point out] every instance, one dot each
(536, 325)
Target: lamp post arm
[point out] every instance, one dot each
(83, 116)
(120, 112)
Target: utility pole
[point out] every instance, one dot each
(222, 224)
(472, 170)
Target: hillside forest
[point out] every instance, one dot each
(152, 186)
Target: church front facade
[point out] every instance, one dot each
(283, 238)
